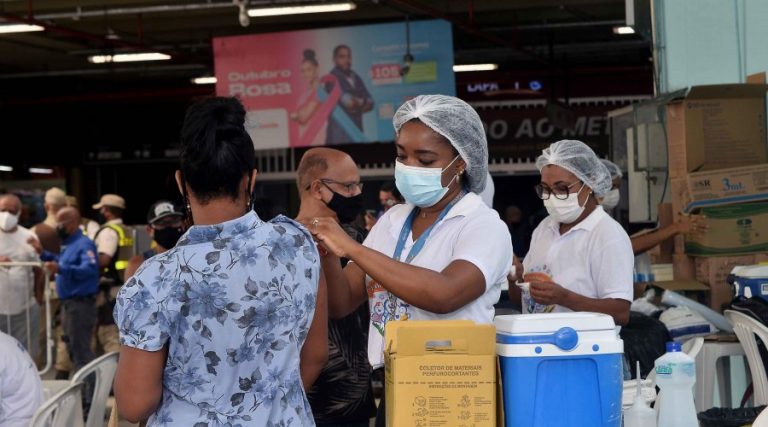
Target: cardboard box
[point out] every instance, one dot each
(757, 78)
(714, 271)
(440, 373)
(721, 187)
(717, 127)
(733, 230)
(666, 217)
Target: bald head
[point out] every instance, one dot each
(10, 203)
(325, 163)
(68, 218)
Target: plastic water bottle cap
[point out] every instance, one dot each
(673, 347)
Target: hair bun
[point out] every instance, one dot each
(229, 115)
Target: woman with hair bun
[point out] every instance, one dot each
(229, 327)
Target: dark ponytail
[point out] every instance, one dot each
(216, 149)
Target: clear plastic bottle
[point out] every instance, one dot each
(675, 376)
(639, 414)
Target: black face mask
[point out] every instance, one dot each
(62, 232)
(346, 208)
(167, 237)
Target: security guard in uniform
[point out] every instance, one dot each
(115, 245)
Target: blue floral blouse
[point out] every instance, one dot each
(233, 302)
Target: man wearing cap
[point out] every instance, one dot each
(165, 225)
(114, 244)
(55, 199)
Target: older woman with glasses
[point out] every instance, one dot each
(580, 258)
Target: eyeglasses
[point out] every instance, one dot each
(350, 187)
(560, 191)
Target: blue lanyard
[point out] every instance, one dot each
(408, 226)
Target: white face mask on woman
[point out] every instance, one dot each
(565, 211)
(611, 200)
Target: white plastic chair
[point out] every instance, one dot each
(762, 419)
(65, 409)
(104, 368)
(746, 328)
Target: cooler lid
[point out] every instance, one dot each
(551, 322)
(751, 271)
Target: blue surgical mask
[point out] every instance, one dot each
(422, 187)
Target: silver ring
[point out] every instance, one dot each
(315, 222)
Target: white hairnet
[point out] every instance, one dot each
(613, 168)
(577, 158)
(459, 123)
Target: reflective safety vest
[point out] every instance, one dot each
(125, 250)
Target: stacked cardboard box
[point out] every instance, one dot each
(718, 157)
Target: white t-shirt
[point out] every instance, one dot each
(17, 283)
(21, 391)
(108, 241)
(471, 231)
(593, 259)
(90, 228)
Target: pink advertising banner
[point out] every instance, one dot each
(332, 86)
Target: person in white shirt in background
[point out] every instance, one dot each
(487, 194)
(21, 391)
(444, 254)
(21, 288)
(580, 258)
(641, 243)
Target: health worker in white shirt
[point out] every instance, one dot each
(580, 258)
(444, 254)
(641, 243)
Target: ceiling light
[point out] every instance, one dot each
(112, 35)
(4, 168)
(19, 28)
(45, 171)
(128, 57)
(623, 30)
(204, 80)
(295, 10)
(474, 67)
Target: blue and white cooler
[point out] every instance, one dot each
(750, 281)
(560, 369)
